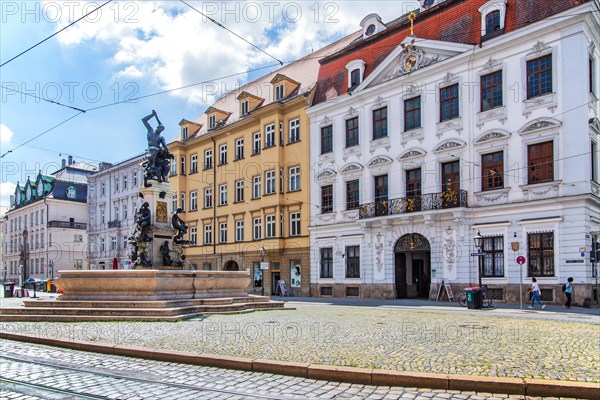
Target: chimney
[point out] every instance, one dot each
(70, 160)
(64, 163)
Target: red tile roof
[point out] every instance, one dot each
(451, 21)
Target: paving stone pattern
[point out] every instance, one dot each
(115, 377)
(366, 337)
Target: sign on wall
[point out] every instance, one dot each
(295, 273)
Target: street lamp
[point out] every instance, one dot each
(262, 274)
(478, 243)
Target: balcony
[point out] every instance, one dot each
(114, 224)
(67, 224)
(424, 202)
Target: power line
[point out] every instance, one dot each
(41, 134)
(41, 98)
(181, 87)
(54, 34)
(230, 31)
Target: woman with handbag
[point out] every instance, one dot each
(568, 292)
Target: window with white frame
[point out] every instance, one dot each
(355, 70)
(102, 216)
(281, 133)
(212, 121)
(223, 194)
(182, 167)
(352, 261)
(124, 210)
(193, 235)
(294, 174)
(182, 204)
(256, 190)
(256, 228)
(208, 202)
(493, 16)
(239, 231)
(223, 232)
(244, 108)
(102, 189)
(135, 181)
(270, 182)
(124, 182)
(174, 167)
(223, 154)
(113, 242)
(270, 226)
(281, 188)
(270, 135)
(279, 93)
(193, 201)
(116, 184)
(239, 149)
(116, 213)
(295, 224)
(207, 234)
(193, 163)
(173, 204)
(256, 143)
(102, 244)
(239, 191)
(281, 224)
(294, 127)
(208, 159)
(184, 132)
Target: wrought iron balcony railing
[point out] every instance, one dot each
(114, 224)
(67, 224)
(424, 202)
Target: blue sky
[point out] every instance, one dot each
(130, 49)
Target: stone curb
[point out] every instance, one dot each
(527, 386)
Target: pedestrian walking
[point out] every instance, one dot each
(535, 294)
(569, 292)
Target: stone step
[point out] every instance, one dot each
(112, 318)
(143, 304)
(170, 311)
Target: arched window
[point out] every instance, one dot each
(492, 22)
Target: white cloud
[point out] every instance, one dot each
(129, 72)
(5, 133)
(177, 46)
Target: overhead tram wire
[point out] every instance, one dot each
(181, 87)
(41, 98)
(54, 34)
(41, 134)
(230, 31)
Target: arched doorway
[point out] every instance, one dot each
(231, 266)
(412, 266)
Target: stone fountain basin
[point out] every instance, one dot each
(140, 285)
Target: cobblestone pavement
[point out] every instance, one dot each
(113, 377)
(371, 337)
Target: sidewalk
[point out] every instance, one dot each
(551, 312)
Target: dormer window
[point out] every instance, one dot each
(493, 18)
(371, 24)
(184, 132)
(244, 110)
(356, 69)
(279, 92)
(492, 22)
(212, 122)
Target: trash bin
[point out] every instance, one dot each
(8, 289)
(474, 298)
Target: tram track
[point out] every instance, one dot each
(121, 378)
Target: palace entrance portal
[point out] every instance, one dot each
(412, 266)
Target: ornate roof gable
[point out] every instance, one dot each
(409, 57)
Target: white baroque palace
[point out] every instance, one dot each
(442, 140)
(112, 200)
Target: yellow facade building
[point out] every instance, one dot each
(242, 179)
